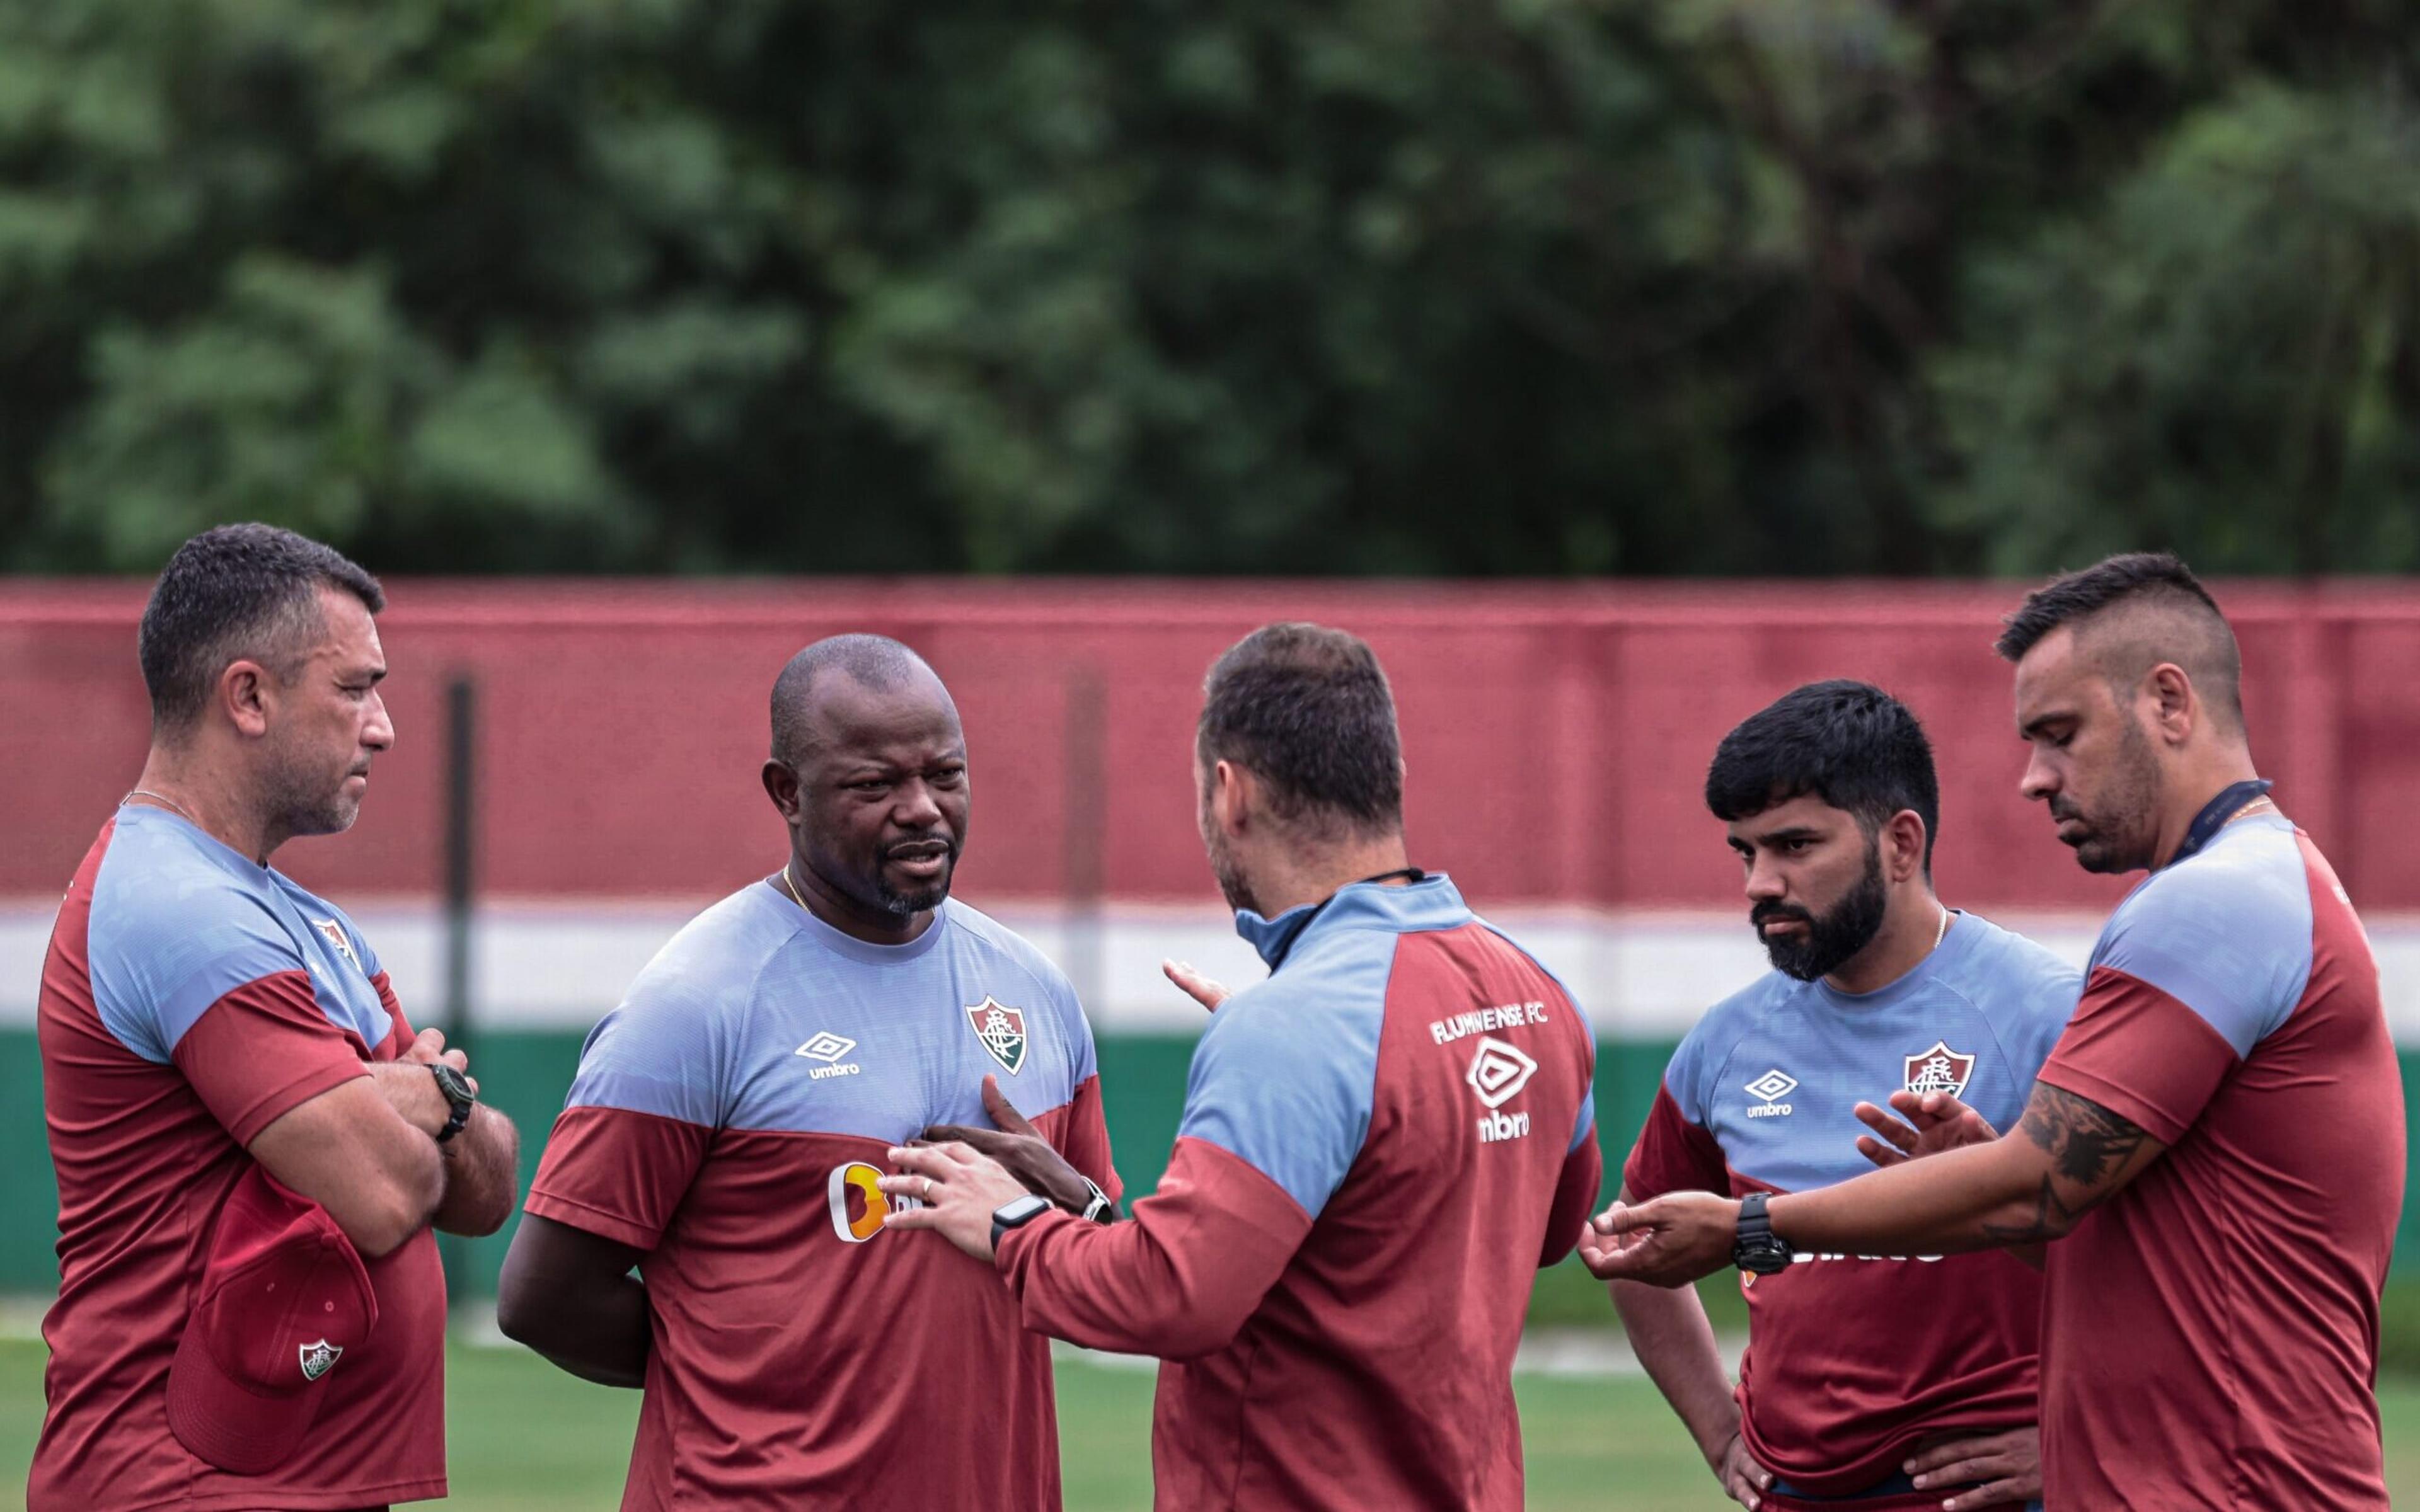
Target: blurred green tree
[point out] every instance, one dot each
(1387, 285)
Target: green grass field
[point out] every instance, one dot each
(526, 1437)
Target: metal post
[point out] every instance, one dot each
(462, 707)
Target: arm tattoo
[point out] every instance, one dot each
(2051, 1219)
(2087, 1144)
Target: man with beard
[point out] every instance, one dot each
(2216, 1143)
(251, 1144)
(728, 1125)
(1380, 1145)
(1873, 1382)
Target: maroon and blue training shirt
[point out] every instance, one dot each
(191, 996)
(1381, 1144)
(1854, 1359)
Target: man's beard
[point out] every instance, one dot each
(1832, 939)
(2117, 836)
(908, 905)
(299, 801)
(1237, 891)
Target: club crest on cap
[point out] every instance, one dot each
(1001, 1031)
(320, 1358)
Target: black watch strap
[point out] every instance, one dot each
(1016, 1214)
(459, 1101)
(1756, 1249)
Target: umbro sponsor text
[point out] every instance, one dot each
(1769, 1089)
(828, 1047)
(1497, 1126)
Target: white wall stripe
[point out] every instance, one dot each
(552, 964)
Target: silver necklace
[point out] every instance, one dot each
(164, 800)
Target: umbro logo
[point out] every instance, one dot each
(828, 1047)
(1497, 1075)
(1769, 1089)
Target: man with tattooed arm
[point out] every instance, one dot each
(2216, 1143)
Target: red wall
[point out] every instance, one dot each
(1556, 736)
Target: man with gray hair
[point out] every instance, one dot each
(251, 1144)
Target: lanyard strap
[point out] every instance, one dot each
(2217, 811)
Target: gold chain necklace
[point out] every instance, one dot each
(792, 888)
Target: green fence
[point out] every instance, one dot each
(525, 1073)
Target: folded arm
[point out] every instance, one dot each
(347, 1150)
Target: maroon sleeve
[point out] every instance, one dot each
(1576, 1193)
(263, 1050)
(616, 1173)
(1673, 1155)
(1082, 1133)
(2139, 1052)
(399, 1038)
(1180, 1279)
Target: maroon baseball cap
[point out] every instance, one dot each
(284, 1298)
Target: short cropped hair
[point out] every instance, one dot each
(236, 592)
(1307, 710)
(2196, 635)
(1850, 744)
(873, 661)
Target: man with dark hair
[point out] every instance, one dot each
(235, 1100)
(1380, 1144)
(2216, 1143)
(1873, 1382)
(727, 1127)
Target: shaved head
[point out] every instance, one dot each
(2132, 613)
(875, 663)
(2126, 640)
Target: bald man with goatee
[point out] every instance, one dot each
(730, 1120)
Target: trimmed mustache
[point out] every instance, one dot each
(1765, 913)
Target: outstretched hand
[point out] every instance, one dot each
(1202, 990)
(1935, 1121)
(1018, 1150)
(955, 1192)
(1668, 1241)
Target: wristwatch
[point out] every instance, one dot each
(459, 1096)
(1759, 1250)
(1016, 1214)
(1099, 1209)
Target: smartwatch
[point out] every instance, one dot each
(1016, 1214)
(459, 1096)
(1759, 1250)
(1098, 1208)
